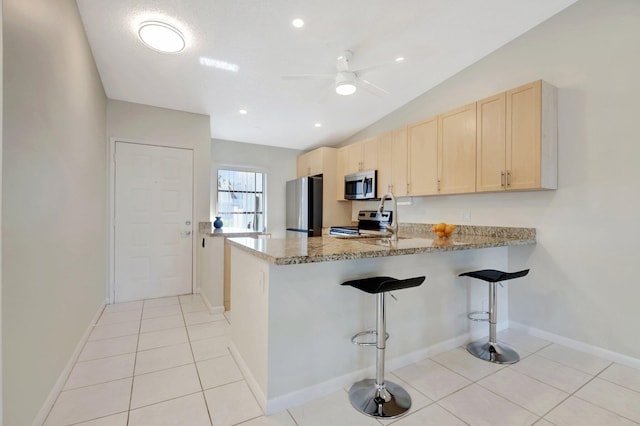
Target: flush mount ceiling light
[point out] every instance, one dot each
(317, 125)
(297, 23)
(243, 111)
(345, 83)
(400, 59)
(161, 37)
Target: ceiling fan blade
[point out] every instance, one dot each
(371, 88)
(307, 76)
(375, 67)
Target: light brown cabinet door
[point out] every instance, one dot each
(341, 158)
(491, 144)
(392, 162)
(369, 154)
(310, 163)
(457, 150)
(423, 157)
(353, 158)
(399, 162)
(302, 169)
(523, 147)
(384, 143)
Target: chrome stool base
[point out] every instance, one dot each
(392, 401)
(493, 352)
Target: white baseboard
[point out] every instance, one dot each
(578, 345)
(62, 379)
(212, 309)
(251, 381)
(299, 397)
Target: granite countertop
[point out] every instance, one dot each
(206, 228)
(413, 238)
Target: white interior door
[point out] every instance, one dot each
(153, 221)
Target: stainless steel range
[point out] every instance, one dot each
(369, 222)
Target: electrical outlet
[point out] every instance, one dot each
(465, 216)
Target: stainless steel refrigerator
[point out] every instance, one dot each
(304, 207)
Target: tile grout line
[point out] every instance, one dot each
(245, 380)
(195, 365)
(598, 405)
(482, 378)
(569, 394)
(135, 360)
(74, 365)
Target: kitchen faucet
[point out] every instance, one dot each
(393, 228)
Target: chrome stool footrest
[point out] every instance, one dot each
(476, 315)
(354, 338)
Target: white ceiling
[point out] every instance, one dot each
(438, 38)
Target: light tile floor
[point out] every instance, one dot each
(166, 362)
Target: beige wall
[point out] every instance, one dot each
(278, 163)
(53, 198)
(582, 285)
(165, 127)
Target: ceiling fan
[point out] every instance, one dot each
(347, 80)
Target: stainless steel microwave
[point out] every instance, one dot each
(361, 186)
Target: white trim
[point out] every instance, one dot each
(283, 402)
(62, 379)
(111, 214)
(212, 309)
(578, 345)
(251, 381)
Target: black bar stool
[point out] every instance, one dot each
(492, 351)
(375, 397)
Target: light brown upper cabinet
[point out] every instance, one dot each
(491, 143)
(517, 139)
(360, 156)
(457, 151)
(392, 162)
(324, 161)
(354, 158)
(423, 158)
(310, 163)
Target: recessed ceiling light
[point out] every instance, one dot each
(400, 59)
(317, 125)
(161, 37)
(297, 23)
(243, 111)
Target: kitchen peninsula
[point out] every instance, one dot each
(292, 321)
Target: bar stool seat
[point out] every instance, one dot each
(494, 276)
(492, 351)
(375, 285)
(377, 397)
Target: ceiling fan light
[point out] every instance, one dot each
(345, 83)
(161, 37)
(345, 88)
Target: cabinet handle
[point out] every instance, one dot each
(508, 175)
(408, 188)
(438, 185)
(502, 178)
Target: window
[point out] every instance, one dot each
(241, 199)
